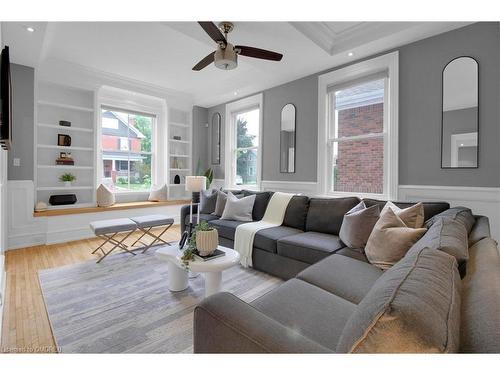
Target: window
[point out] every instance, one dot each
(126, 143)
(358, 129)
(243, 142)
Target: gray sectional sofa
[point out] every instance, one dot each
(336, 302)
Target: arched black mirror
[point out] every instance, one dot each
(215, 138)
(287, 139)
(460, 114)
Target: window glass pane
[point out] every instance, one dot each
(359, 109)
(247, 129)
(246, 167)
(126, 142)
(358, 166)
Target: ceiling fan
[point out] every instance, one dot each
(226, 55)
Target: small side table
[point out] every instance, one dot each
(211, 269)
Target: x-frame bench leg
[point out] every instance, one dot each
(116, 242)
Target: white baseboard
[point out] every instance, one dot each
(481, 200)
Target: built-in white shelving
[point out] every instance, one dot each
(66, 128)
(180, 151)
(62, 103)
(180, 141)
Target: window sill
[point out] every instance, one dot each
(115, 207)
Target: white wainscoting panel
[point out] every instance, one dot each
(299, 187)
(25, 230)
(481, 200)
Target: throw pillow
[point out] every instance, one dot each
(412, 216)
(159, 195)
(390, 240)
(238, 209)
(358, 224)
(208, 199)
(105, 196)
(220, 203)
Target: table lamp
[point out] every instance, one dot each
(194, 184)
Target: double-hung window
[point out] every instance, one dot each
(127, 140)
(358, 129)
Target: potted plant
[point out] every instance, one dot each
(67, 178)
(204, 240)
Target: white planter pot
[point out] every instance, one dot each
(67, 183)
(207, 241)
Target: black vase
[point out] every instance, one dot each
(177, 179)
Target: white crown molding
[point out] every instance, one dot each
(76, 75)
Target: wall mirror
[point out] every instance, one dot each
(215, 134)
(460, 125)
(287, 139)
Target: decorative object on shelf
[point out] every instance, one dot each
(67, 178)
(175, 163)
(460, 114)
(215, 137)
(40, 206)
(177, 137)
(65, 159)
(62, 199)
(207, 238)
(105, 196)
(63, 140)
(64, 123)
(177, 179)
(287, 138)
(159, 195)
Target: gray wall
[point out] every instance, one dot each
(23, 96)
(457, 122)
(200, 138)
(420, 69)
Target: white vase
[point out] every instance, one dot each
(67, 183)
(207, 241)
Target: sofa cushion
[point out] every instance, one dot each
(353, 253)
(413, 307)
(461, 214)
(208, 199)
(266, 239)
(412, 216)
(480, 230)
(343, 276)
(226, 228)
(260, 205)
(390, 240)
(430, 208)
(203, 217)
(325, 215)
(309, 247)
(358, 224)
(480, 329)
(447, 235)
(238, 209)
(312, 311)
(296, 212)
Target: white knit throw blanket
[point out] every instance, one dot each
(245, 233)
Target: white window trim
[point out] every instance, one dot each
(230, 139)
(390, 63)
(139, 103)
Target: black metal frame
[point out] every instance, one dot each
(442, 112)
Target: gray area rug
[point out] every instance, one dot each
(123, 304)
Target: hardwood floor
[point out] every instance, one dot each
(26, 326)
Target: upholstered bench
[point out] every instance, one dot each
(146, 223)
(108, 230)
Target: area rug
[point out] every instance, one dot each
(123, 304)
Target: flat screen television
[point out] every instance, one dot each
(5, 101)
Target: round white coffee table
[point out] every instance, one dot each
(211, 269)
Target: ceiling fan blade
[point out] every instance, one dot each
(213, 32)
(204, 62)
(258, 53)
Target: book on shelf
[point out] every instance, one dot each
(65, 161)
(216, 254)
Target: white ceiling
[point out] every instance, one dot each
(162, 54)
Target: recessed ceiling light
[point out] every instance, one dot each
(461, 145)
(30, 29)
(350, 54)
(235, 93)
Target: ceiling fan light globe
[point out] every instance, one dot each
(227, 58)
